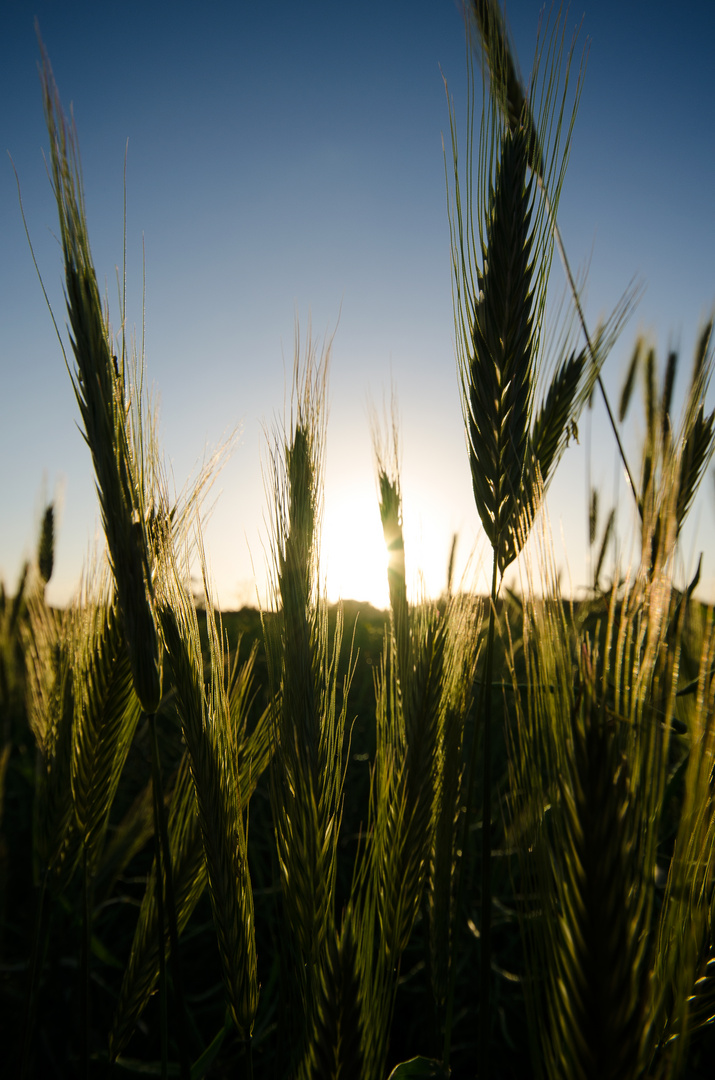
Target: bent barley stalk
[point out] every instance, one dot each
(99, 387)
(135, 515)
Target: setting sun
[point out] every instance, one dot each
(354, 559)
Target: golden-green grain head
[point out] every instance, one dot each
(335, 1047)
(106, 714)
(189, 876)
(206, 723)
(50, 707)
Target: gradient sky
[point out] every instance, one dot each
(285, 162)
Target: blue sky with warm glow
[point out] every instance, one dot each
(286, 161)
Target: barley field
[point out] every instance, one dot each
(465, 836)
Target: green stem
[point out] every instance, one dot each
(483, 714)
(85, 957)
(156, 798)
(486, 922)
(163, 835)
(42, 923)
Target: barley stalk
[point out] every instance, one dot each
(308, 719)
(142, 970)
(411, 705)
(463, 638)
(499, 291)
(50, 709)
(251, 753)
(589, 764)
(50, 712)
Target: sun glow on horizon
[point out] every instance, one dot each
(354, 557)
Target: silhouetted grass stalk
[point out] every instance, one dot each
(85, 954)
(501, 265)
(486, 923)
(156, 788)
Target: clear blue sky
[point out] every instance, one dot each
(286, 160)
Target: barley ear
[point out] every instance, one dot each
(629, 381)
(189, 877)
(555, 423)
(681, 991)
(308, 717)
(615, 964)
(106, 715)
(335, 1051)
(497, 371)
(607, 533)
(99, 388)
(414, 706)
(252, 753)
(697, 436)
(411, 703)
(499, 289)
(385, 440)
(593, 516)
(206, 724)
(551, 430)
(132, 833)
(46, 546)
(51, 715)
(596, 989)
(667, 395)
(546, 161)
